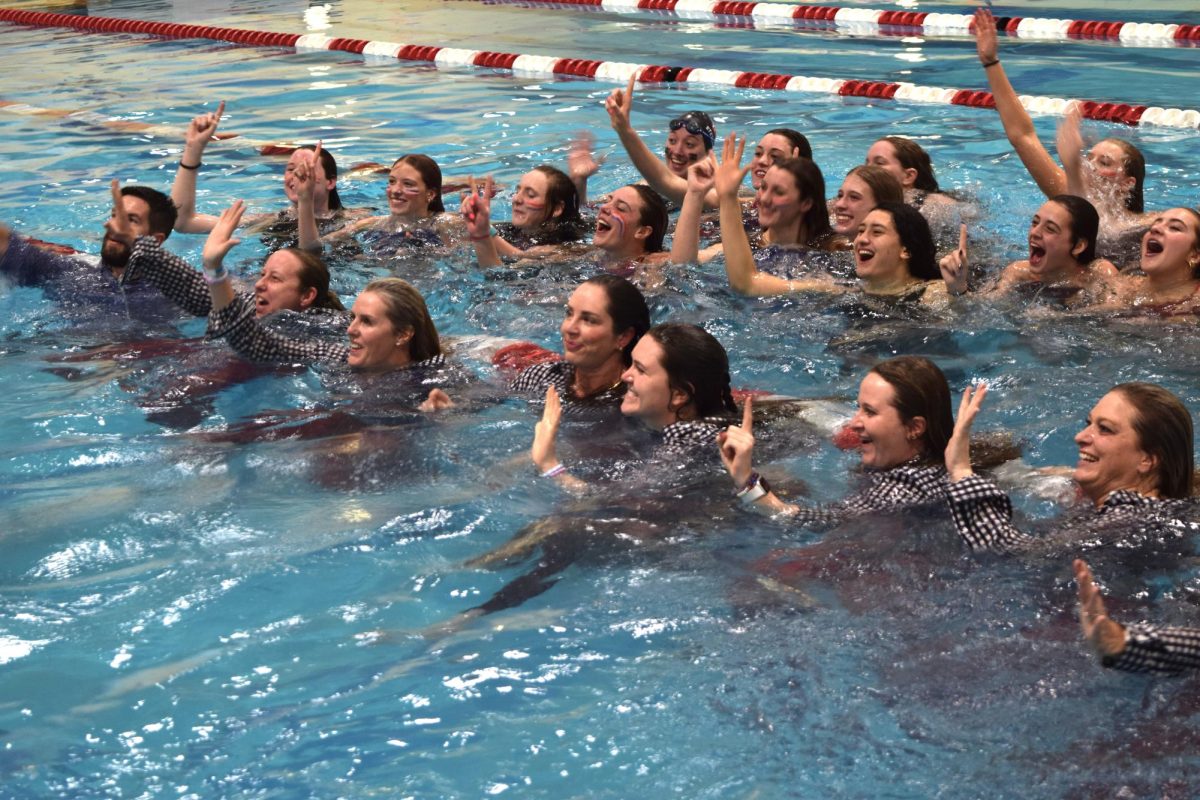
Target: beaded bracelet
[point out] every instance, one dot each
(557, 469)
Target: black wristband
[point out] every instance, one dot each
(189, 166)
(991, 63)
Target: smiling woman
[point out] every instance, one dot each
(1135, 463)
(902, 427)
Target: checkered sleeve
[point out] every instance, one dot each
(245, 334)
(535, 378)
(171, 275)
(1150, 648)
(983, 516)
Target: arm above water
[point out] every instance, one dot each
(1018, 125)
(183, 191)
(171, 275)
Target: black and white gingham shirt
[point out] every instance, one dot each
(171, 275)
(983, 513)
(1151, 648)
(534, 379)
(681, 440)
(239, 325)
(905, 486)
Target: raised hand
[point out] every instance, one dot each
(305, 176)
(701, 175)
(1070, 148)
(202, 130)
(618, 105)
(730, 173)
(1106, 636)
(545, 433)
(437, 400)
(118, 227)
(954, 264)
(985, 36)
(581, 160)
(737, 446)
(958, 449)
(476, 208)
(220, 241)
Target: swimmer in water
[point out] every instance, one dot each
(327, 205)
(1114, 182)
(630, 228)
(606, 316)
(1134, 648)
(863, 188)
(790, 202)
(690, 137)
(894, 251)
(545, 214)
(909, 164)
(416, 215)
(901, 428)
(143, 212)
(1135, 467)
(1062, 261)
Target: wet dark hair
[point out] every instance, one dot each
(799, 140)
(314, 274)
(882, 183)
(916, 238)
(1085, 224)
(405, 308)
(1164, 429)
(920, 390)
(626, 307)
(161, 218)
(560, 190)
(811, 185)
(654, 214)
(1135, 167)
(431, 174)
(912, 156)
(329, 165)
(697, 365)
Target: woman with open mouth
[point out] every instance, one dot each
(1062, 266)
(545, 214)
(1135, 466)
(790, 204)
(1169, 286)
(893, 250)
(1113, 180)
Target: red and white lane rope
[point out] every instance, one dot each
(862, 21)
(612, 70)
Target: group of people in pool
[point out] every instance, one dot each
(1135, 454)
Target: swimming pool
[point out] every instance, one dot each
(192, 618)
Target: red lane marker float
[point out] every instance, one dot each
(1122, 113)
(862, 20)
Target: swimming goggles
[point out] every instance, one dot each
(697, 123)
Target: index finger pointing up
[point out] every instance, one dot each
(748, 414)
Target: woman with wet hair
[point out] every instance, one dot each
(1135, 463)
(545, 214)
(416, 215)
(1118, 169)
(909, 164)
(864, 187)
(677, 385)
(605, 318)
(1062, 266)
(790, 204)
(901, 429)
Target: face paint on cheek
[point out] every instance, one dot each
(618, 224)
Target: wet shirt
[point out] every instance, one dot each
(534, 379)
(982, 514)
(908, 485)
(85, 288)
(1153, 648)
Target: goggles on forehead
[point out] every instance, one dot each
(697, 125)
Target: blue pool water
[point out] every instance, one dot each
(181, 616)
